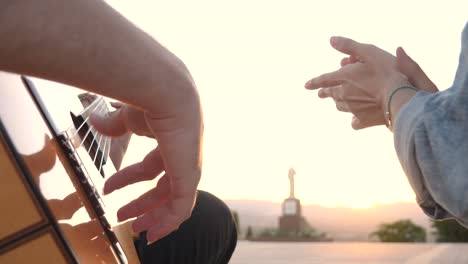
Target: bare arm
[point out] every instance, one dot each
(88, 45)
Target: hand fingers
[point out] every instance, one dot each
(167, 224)
(346, 93)
(330, 92)
(158, 223)
(345, 61)
(110, 124)
(413, 71)
(121, 121)
(348, 46)
(327, 80)
(349, 60)
(342, 106)
(151, 166)
(357, 124)
(179, 139)
(163, 220)
(152, 199)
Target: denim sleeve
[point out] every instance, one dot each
(431, 141)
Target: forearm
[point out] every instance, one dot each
(89, 45)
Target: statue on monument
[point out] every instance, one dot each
(291, 174)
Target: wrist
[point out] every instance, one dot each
(394, 81)
(396, 100)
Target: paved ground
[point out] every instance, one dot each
(349, 253)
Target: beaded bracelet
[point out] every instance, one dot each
(388, 113)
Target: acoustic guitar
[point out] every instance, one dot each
(53, 165)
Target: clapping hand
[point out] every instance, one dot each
(364, 80)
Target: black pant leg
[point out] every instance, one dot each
(208, 236)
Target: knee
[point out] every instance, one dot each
(207, 202)
(212, 211)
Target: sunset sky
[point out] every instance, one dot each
(250, 60)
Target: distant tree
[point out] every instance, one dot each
(249, 233)
(400, 231)
(449, 231)
(269, 232)
(235, 216)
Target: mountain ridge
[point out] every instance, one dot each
(340, 223)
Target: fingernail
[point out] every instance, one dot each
(152, 235)
(334, 41)
(151, 239)
(103, 191)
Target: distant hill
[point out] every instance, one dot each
(342, 224)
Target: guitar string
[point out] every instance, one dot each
(99, 108)
(100, 111)
(102, 107)
(87, 118)
(104, 155)
(94, 138)
(91, 105)
(108, 148)
(92, 142)
(103, 149)
(97, 149)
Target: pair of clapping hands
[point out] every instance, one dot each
(366, 77)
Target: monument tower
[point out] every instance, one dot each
(291, 219)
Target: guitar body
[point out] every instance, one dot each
(50, 203)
